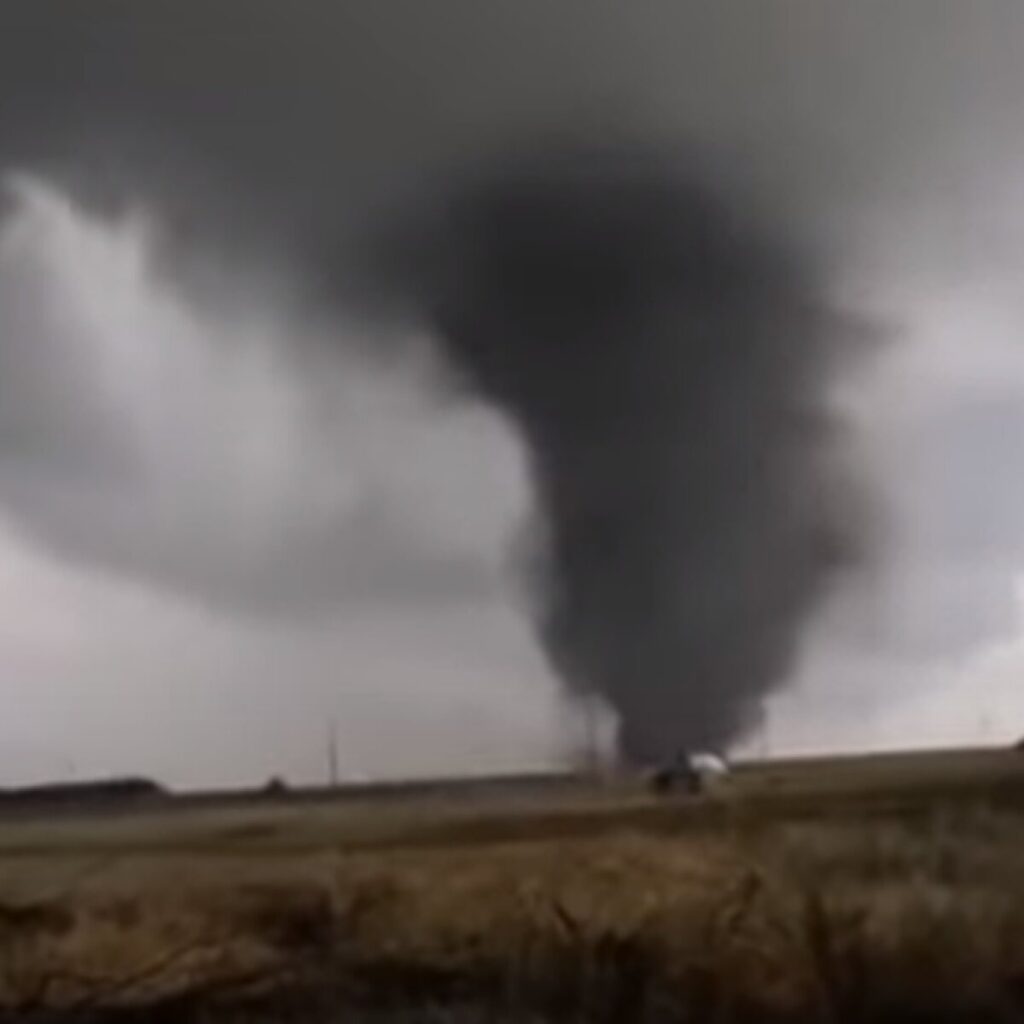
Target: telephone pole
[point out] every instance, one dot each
(766, 730)
(332, 753)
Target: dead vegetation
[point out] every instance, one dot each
(752, 918)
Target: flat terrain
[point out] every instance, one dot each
(881, 888)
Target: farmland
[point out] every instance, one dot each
(875, 888)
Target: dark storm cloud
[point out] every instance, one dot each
(290, 126)
(668, 367)
(315, 107)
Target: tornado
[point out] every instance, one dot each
(667, 361)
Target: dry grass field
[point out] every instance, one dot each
(886, 888)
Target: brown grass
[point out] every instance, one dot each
(737, 915)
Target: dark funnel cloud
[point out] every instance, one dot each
(667, 364)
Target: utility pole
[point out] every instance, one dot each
(597, 753)
(332, 753)
(766, 730)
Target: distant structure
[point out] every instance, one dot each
(97, 792)
(689, 773)
(679, 776)
(275, 787)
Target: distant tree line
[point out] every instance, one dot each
(120, 790)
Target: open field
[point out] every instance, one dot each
(885, 888)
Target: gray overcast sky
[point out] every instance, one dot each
(162, 454)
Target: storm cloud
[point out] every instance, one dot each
(191, 446)
(261, 143)
(669, 369)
